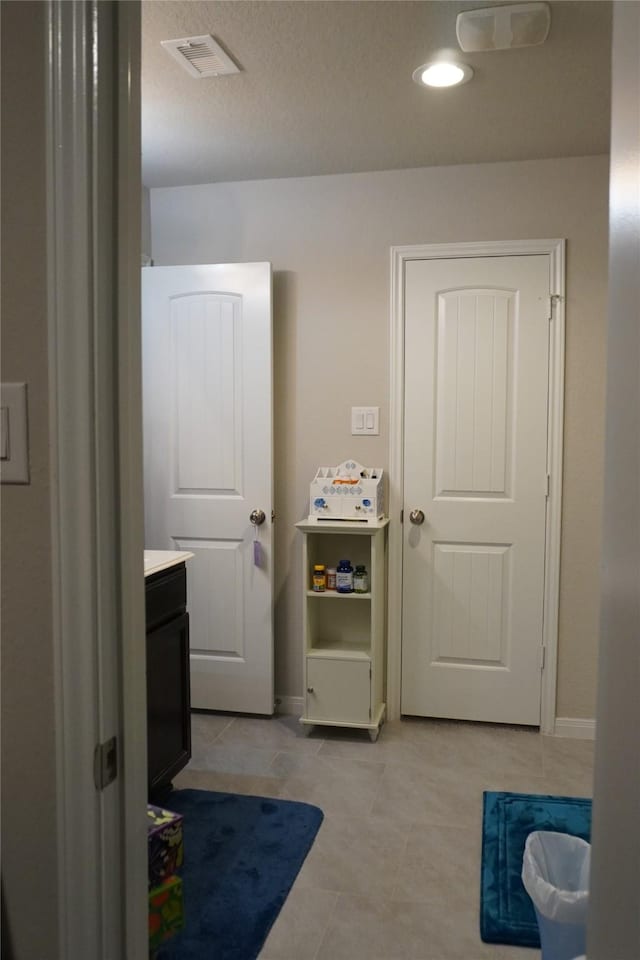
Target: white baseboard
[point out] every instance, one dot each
(576, 728)
(290, 705)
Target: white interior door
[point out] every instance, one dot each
(207, 376)
(475, 463)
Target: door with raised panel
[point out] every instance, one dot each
(207, 382)
(475, 468)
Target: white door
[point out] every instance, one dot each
(207, 381)
(475, 463)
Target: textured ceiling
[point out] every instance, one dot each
(326, 88)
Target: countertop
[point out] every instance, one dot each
(157, 560)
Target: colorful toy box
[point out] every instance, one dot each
(165, 844)
(166, 912)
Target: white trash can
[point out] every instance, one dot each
(555, 874)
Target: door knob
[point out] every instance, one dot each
(257, 517)
(417, 517)
(310, 690)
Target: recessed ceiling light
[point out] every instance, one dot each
(442, 74)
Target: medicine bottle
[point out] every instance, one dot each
(319, 583)
(361, 579)
(344, 577)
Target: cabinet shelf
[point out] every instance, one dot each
(339, 650)
(334, 595)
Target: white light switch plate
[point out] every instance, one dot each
(14, 447)
(365, 421)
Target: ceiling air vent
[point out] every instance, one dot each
(500, 28)
(201, 56)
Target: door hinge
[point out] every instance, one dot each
(402, 516)
(369, 673)
(105, 763)
(369, 713)
(553, 299)
(547, 489)
(543, 650)
(550, 309)
(273, 516)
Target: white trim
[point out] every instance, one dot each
(374, 724)
(555, 250)
(575, 728)
(289, 706)
(133, 672)
(554, 501)
(96, 491)
(73, 537)
(396, 483)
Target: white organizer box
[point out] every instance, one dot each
(344, 634)
(347, 492)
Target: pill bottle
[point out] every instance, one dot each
(331, 578)
(361, 579)
(344, 577)
(319, 583)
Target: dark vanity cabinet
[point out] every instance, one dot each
(168, 697)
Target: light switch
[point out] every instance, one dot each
(14, 448)
(365, 421)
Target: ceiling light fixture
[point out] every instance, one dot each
(442, 74)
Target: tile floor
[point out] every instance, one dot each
(394, 871)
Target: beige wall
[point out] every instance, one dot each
(328, 239)
(29, 864)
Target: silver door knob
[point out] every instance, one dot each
(417, 517)
(257, 517)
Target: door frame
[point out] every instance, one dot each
(93, 277)
(400, 256)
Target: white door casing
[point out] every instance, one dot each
(95, 418)
(454, 560)
(207, 362)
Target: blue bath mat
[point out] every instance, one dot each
(506, 910)
(241, 857)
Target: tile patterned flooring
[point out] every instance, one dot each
(394, 871)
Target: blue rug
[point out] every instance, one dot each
(506, 910)
(241, 856)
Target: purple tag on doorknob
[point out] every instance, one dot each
(257, 553)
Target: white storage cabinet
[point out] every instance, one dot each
(344, 634)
